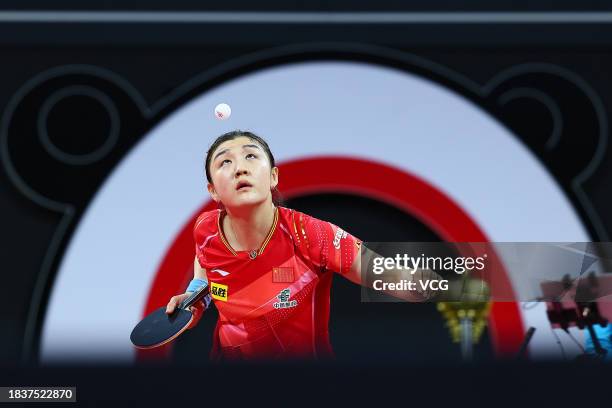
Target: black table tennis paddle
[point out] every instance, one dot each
(159, 328)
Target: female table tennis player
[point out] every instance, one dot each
(269, 267)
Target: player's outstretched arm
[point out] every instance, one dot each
(454, 290)
(417, 295)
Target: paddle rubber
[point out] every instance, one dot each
(159, 328)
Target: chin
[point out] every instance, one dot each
(244, 202)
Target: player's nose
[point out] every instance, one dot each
(241, 170)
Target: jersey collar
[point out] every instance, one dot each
(263, 245)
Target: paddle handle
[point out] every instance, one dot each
(204, 290)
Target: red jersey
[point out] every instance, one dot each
(274, 303)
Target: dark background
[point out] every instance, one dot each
(156, 58)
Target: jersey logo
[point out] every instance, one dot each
(340, 234)
(218, 291)
(283, 300)
(221, 272)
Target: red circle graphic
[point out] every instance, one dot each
(361, 177)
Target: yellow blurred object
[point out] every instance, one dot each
(455, 312)
(466, 317)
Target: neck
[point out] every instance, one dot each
(249, 228)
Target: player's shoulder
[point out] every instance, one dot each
(289, 215)
(206, 220)
(296, 220)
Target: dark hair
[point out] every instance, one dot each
(234, 134)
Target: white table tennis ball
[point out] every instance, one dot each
(223, 111)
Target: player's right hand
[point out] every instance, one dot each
(197, 309)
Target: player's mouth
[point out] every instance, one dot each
(243, 185)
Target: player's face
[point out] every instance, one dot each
(241, 174)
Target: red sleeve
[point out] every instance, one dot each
(203, 229)
(328, 246)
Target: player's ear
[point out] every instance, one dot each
(213, 192)
(274, 178)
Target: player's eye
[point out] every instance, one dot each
(251, 156)
(224, 162)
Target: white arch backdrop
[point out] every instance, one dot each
(303, 110)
